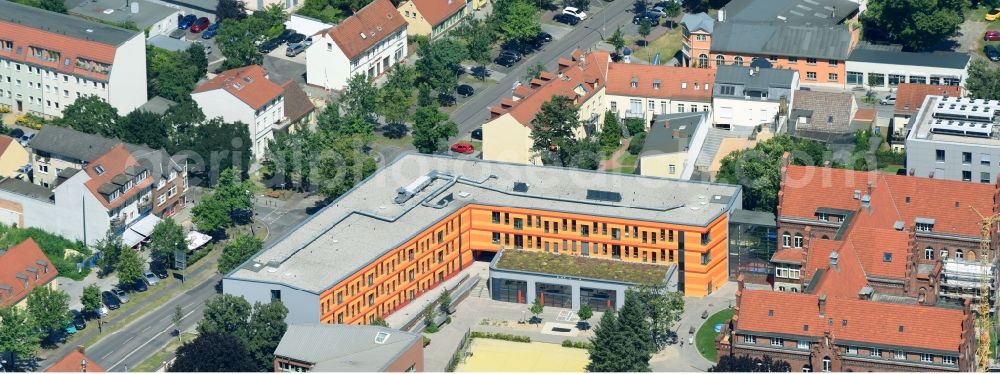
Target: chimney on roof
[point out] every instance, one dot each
(757, 68)
(751, 72)
(822, 305)
(834, 261)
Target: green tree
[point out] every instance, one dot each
(18, 335)
(238, 250)
(197, 58)
(437, 62)
(758, 169)
(110, 248)
(608, 349)
(212, 146)
(617, 40)
(635, 330)
(479, 41)
(236, 40)
(645, 27)
(167, 239)
(361, 98)
(182, 121)
(232, 198)
(58, 6)
(664, 309)
(918, 25)
(585, 313)
(130, 267)
(536, 307)
(49, 308)
(231, 9)
(430, 128)
(611, 132)
(397, 94)
(342, 164)
(263, 333)
(92, 115)
(520, 21)
(177, 317)
(534, 71)
(672, 10)
(91, 299)
(211, 215)
(225, 314)
(236, 192)
(287, 158)
(173, 75)
(746, 364)
(379, 321)
(555, 128)
(213, 352)
(983, 81)
(142, 127)
(444, 301)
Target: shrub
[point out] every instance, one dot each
(427, 341)
(29, 120)
(635, 125)
(571, 344)
(431, 328)
(501, 336)
(637, 142)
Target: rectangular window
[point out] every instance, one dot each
(727, 90)
(966, 158)
(856, 78)
(926, 357)
(802, 344)
(518, 223)
(852, 350)
(777, 342)
(984, 177)
(948, 360)
(750, 339)
(832, 77)
(832, 62)
(811, 75)
(875, 352)
(966, 176)
(680, 108)
(896, 79)
(506, 218)
(984, 159)
(705, 259)
(939, 155)
(793, 60)
(899, 355)
(810, 61)
(496, 238)
(496, 217)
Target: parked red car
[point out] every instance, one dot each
(991, 35)
(462, 148)
(200, 25)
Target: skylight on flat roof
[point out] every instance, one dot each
(381, 337)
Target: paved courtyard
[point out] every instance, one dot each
(480, 313)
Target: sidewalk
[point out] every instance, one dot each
(612, 163)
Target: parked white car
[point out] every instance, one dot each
(889, 99)
(575, 12)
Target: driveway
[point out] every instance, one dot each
(281, 69)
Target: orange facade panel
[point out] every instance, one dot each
(444, 249)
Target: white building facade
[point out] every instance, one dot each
(747, 97)
(370, 42)
(58, 59)
(885, 69)
(244, 95)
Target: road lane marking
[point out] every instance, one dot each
(147, 342)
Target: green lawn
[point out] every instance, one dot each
(890, 169)
(705, 338)
(666, 45)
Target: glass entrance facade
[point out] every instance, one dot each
(512, 291)
(598, 299)
(554, 295)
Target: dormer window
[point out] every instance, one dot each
(99, 169)
(822, 216)
(635, 82)
(684, 85)
(925, 224)
(656, 84)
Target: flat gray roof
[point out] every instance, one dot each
(926, 120)
(661, 140)
(759, 80)
(59, 23)
(936, 59)
(803, 12)
(344, 348)
(115, 11)
(365, 223)
(27, 189)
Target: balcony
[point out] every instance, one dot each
(635, 114)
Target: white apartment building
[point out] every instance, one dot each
(244, 95)
(48, 60)
(745, 97)
(644, 91)
(955, 138)
(370, 42)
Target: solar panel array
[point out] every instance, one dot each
(599, 195)
(964, 116)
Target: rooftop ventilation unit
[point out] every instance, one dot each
(599, 195)
(405, 193)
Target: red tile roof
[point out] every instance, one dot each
(580, 79)
(376, 21)
(877, 323)
(73, 363)
(114, 163)
(909, 96)
(436, 11)
(5, 141)
(678, 83)
(68, 47)
(248, 83)
(789, 256)
(894, 197)
(865, 115)
(20, 264)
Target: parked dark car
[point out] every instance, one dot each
(211, 31)
(200, 25)
(991, 52)
(16, 133)
(187, 21)
(78, 321)
(465, 90)
(566, 18)
(110, 300)
(616, 57)
(139, 285)
(520, 48)
(544, 37)
(653, 18)
(505, 60)
(513, 54)
(285, 35)
(269, 46)
(446, 99)
(295, 38)
(160, 271)
(477, 134)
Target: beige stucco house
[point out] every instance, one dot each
(13, 157)
(673, 144)
(432, 18)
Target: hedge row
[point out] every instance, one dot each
(501, 336)
(571, 344)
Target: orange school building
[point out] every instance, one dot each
(443, 214)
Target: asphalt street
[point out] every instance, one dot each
(584, 35)
(147, 335)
